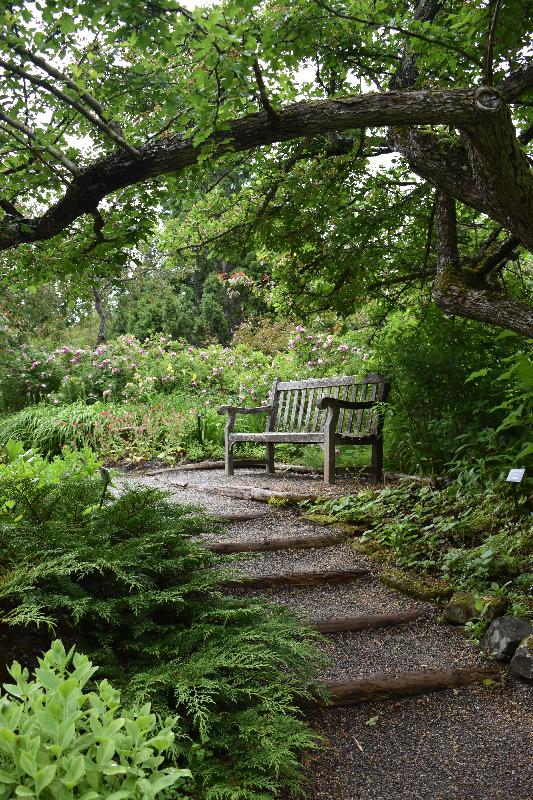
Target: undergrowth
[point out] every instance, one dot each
(123, 578)
(472, 540)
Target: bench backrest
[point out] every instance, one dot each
(294, 404)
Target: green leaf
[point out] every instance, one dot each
(75, 771)
(44, 777)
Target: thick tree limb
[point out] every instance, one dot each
(518, 82)
(486, 170)
(119, 170)
(502, 254)
(452, 292)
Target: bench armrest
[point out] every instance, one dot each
(243, 409)
(333, 402)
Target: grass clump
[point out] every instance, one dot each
(123, 577)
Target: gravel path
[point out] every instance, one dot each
(474, 743)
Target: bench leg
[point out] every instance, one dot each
(377, 461)
(329, 461)
(228, 457)
(270, 458)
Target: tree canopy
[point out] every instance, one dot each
(266, 124)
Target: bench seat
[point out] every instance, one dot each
(324, 411)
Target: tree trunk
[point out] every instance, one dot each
(102, 316)
(452, 292)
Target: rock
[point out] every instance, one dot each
(522, 661)
(320, 519)
(464, 606)
(504, 636)
(419, 587)
(351, 530)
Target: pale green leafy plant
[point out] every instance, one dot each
(59, 741)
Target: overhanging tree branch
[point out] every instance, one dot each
(120, 170)
(49, 148)
(95, 120)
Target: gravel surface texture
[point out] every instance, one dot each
(473, 743)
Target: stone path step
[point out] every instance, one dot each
(389, 731)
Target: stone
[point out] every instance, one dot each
(504, 635)
(320, 519)
(522, 661)
(416, 586)
(465, 606)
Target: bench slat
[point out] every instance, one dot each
(297, 399)
(316, 417)
(304, 395)
(288, 396)
(278, 436)
(311, 393)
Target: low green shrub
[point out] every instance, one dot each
(472, 539)
(124, 578)
(59, 741)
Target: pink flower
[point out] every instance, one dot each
(116, 370)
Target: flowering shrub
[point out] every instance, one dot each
(127, 369)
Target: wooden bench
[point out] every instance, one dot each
(325, 411)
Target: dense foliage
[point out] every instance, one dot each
(123, 577)
(102, 97)
(473, 541)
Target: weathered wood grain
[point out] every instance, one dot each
(313, 578)
(390, 687)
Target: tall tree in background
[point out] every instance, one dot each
(110, 107)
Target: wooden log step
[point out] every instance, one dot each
(313, 578)
(267, 545)
(364, 623)
(207, 465)
(387, 687)
(245, 492)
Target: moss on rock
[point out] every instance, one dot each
(420, 588)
